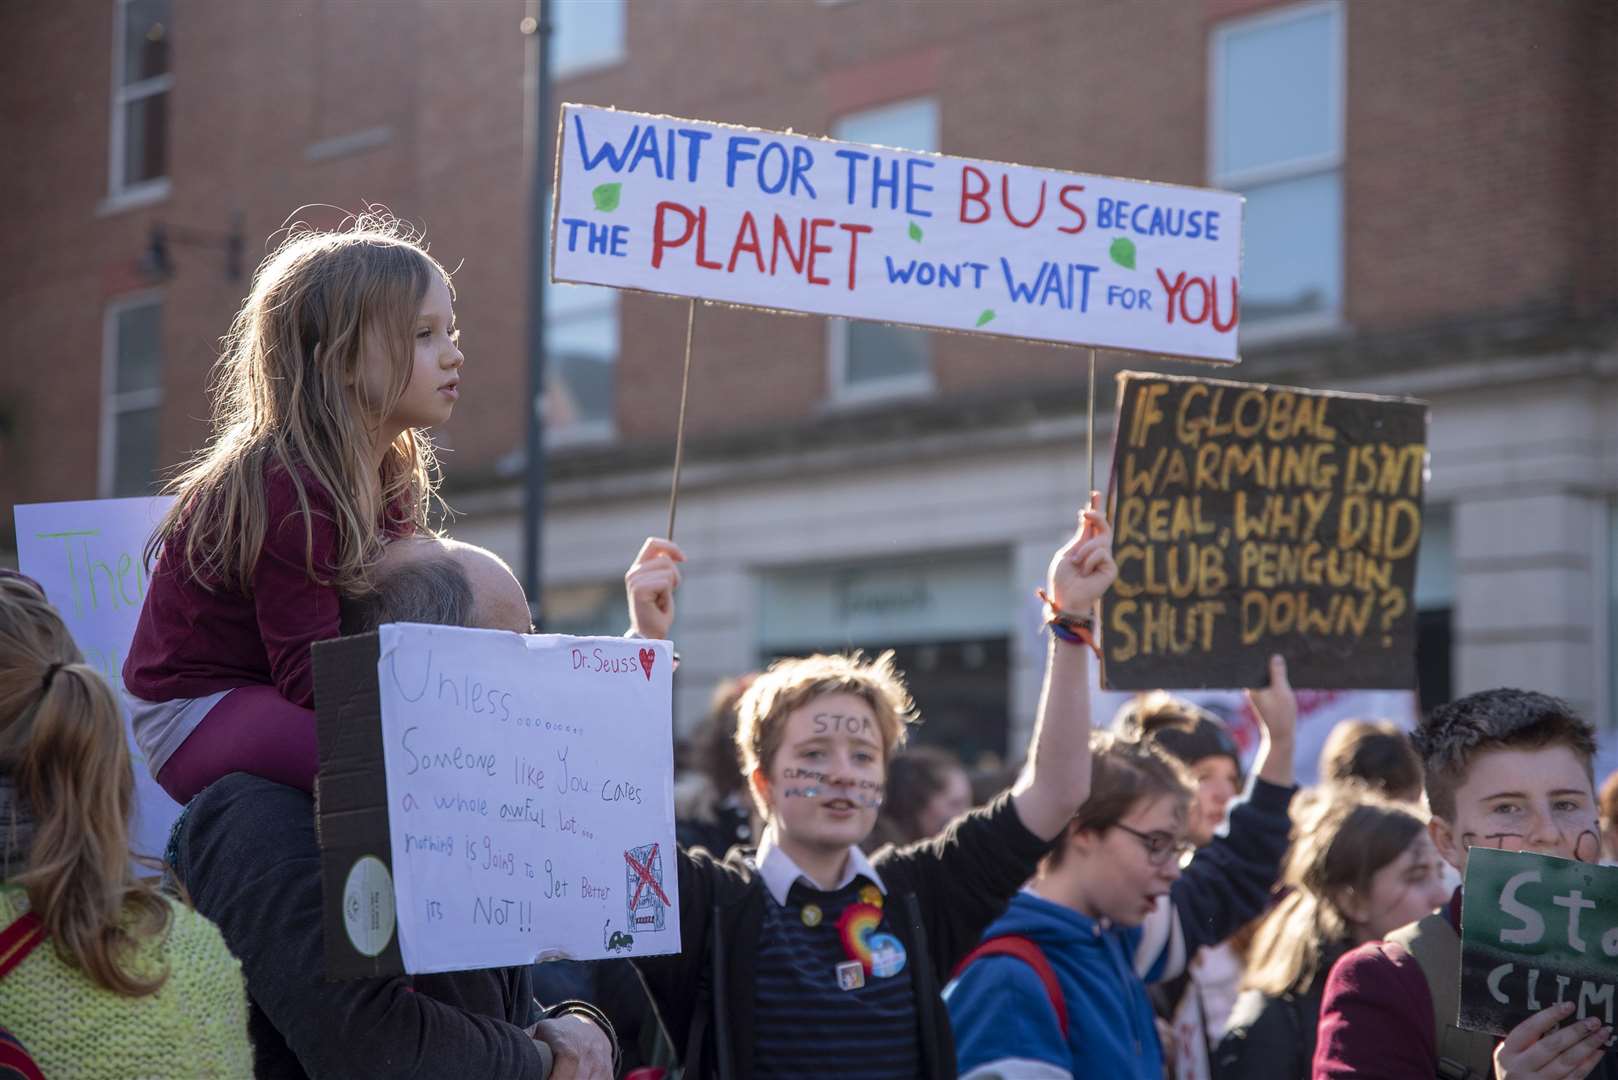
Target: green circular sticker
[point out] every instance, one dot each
(368, 905)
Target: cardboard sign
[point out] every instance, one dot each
(490, 799)
(788, 223)
(89, 556)
(1250, 520)
(1536, 931)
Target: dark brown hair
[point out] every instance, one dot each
(1337, 846)
(1373, 753)
(915, 776)
(1178, 726)
(1453, 735)
(713, 751)
(1123, 773)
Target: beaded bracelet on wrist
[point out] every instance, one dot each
(1071, 628)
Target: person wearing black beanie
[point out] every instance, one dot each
(1200, 741)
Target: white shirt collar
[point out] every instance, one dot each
(780, 873)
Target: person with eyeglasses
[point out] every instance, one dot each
(1195, 1006)
(1057, 987)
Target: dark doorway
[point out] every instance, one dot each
(962, 689)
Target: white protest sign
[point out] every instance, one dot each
(530, 795)
(784, 222)
(89, 556)
(1318, 712)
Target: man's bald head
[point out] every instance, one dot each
(445, 582)
(498, 600)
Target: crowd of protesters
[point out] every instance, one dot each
(1134, 902)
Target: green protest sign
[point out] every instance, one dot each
(1536, 931)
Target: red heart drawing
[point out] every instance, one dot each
(646, 658)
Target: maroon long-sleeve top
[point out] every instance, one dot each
(191, 642)
(1376, 1018)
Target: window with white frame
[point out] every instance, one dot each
(1276, 136)
(589, 34)
(870, 359)
(132, 396)
(141, 80)
(581, 341)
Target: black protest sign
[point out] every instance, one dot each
(1536, 931)
(1250, 520)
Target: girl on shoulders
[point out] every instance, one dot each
(345, 349)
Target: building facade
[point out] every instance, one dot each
(1429, 212)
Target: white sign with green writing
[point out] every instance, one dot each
(89, 557)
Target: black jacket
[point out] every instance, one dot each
(942, 894)
(1273, 1038)
(245, 849)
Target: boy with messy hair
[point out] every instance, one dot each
(805, 958)
(1506, 769)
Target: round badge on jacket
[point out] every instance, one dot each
(887, 956)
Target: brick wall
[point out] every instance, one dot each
(1482, 150)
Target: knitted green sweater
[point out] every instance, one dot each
(195, 1026)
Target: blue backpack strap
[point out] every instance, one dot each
(1025, 950)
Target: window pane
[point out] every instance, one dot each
(581, 392)
(907, 125)
(582, 354)
(146, 128)
(140, 350)
(1277, 93)
(146, 39)
(1293, 234)
(589, 33)
(134, 443)
(878, 353)
(566, 301)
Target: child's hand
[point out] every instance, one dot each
(650, 584)
(1276, 704)
(1083, 570)
(1537, 1048)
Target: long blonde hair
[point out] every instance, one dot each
(1338, 844)
(62, 744)
(290, 393)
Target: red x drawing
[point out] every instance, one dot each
(643, 875)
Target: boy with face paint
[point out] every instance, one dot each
(808, 959)
(1506, 769)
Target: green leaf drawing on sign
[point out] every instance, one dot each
(606, 196)
(987, 317)
(915, 232)
(1123, 252)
